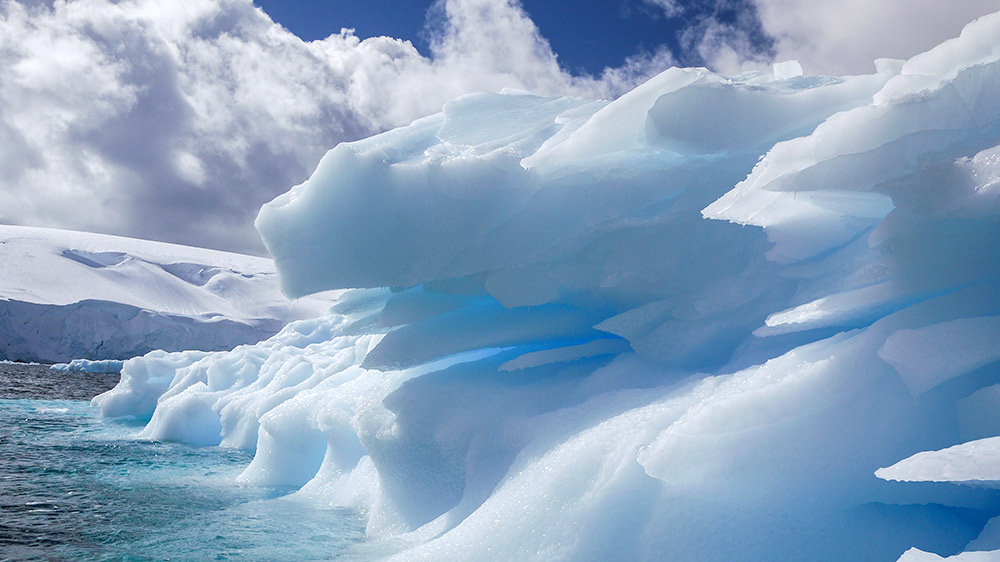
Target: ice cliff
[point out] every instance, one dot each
(66, 295)
(689, 324)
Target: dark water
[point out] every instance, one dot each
(30, 381)
(74, 486)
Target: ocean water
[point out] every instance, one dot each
(75, 486)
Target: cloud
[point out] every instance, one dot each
(846, 36)
(670, 8)
(827, 36)
(725, 35)
(177, 120)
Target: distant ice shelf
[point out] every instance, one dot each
(688, 324)
(72, 295)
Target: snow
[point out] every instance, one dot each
(687, 324)
(66, 295)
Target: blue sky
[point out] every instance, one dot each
(587, 35)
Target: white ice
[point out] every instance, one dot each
(917, 555)
(975, 463)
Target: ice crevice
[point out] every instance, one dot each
(690, 323)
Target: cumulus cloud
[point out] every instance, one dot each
(726, 36)
(177, 120)
(827, 36)
(846, 36)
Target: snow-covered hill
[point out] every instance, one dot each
(67, 295)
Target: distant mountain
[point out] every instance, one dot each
(67, 295)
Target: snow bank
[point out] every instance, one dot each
(66, 295)
(553, 350)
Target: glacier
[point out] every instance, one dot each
(67, 295)
(750, 317)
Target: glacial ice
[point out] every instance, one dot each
(72, 295)
(687, 324)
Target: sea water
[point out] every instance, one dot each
(75, 486)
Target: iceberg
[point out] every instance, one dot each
(68, 295)
(88, 366)
(687, 324)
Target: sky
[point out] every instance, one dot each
(587, 35)
(176, 121)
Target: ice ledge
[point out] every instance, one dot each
(975, 463)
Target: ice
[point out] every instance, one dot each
(187, 417)
(931, 355)
(72, 295)
(86, 366)
(979, 413)
(550, 346)
(989, 539)
(856, 307)
(593, 348)
(786, 69)
(920, 125)
(917, 555)
(975, 462)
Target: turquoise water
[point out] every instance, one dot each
(74, 486)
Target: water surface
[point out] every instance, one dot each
(75, 486)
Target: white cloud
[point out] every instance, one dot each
(827, 36)
(846, 36)
(177, 120)
(670, 8)
(727, 45)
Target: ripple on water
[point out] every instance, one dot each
(74, 486)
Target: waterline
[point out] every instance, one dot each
(75, 486)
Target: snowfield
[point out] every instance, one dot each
(72, 295)
(690, 324)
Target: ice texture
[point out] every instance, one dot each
(688, 324)
(68, 295)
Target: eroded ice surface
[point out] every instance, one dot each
(73, 295)
(572, 338)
